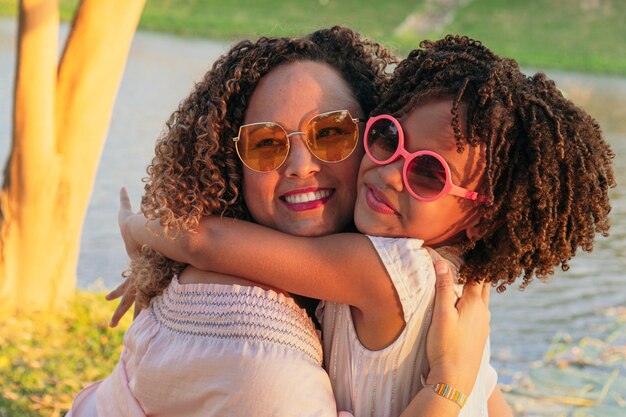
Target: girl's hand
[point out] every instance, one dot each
(457, 335)
(128, 293)
(124, 215)
(126, 289)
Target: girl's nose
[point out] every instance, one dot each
(300, 163)
(391, 175)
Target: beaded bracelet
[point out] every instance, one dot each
(450, 393)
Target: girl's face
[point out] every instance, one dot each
(304, 196)
(384, 206)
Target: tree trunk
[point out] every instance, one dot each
(61, 119)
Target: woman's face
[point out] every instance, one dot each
(304, 196)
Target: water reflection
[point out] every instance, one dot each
(603, 97)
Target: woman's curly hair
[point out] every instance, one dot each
(196, 172)
(548, 169)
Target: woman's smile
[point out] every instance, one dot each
(307, 199)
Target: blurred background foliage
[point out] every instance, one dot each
(576, 35)
(45, 361)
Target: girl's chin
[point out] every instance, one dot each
(373, 229)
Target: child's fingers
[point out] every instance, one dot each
(118, 291)
(125, 199)
(445, 297)
(124, 305)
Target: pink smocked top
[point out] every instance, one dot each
(215, 350)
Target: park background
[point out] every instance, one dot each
(560, 348)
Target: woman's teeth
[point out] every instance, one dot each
(307, 197)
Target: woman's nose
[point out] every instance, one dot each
(300, 161)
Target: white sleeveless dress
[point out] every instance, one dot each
(382, 383)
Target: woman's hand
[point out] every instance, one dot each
(458, 331)
(455, 343)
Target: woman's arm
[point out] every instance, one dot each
(498, 406)
(455, 343)
(457, 336)
(344, 267)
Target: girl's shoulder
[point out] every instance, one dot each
(397, 247)
(410, 269)
(410, 266)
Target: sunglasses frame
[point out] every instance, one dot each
(448, 188)
(303, 133)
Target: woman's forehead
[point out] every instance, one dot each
(308, 88)
(305, 77)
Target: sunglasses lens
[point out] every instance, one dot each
(426, 176)
(382, 139)
(263, 146)
(333, 136)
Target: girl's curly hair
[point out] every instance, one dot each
(196, 172)
(548, 169)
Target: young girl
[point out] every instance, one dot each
(496, 170)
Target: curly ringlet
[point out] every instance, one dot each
(548, 168)
(196, 172)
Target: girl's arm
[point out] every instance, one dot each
(344, 267)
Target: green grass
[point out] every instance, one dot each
(237, 19)
(551, 33)
(45, 361)
(245, 18)
(578, 35)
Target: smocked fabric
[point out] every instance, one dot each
(382, 383)
(236, 312)
(215, 350)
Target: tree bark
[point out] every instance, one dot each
(61, 119)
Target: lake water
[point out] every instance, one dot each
(161, 70)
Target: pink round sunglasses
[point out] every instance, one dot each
(425, 173)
